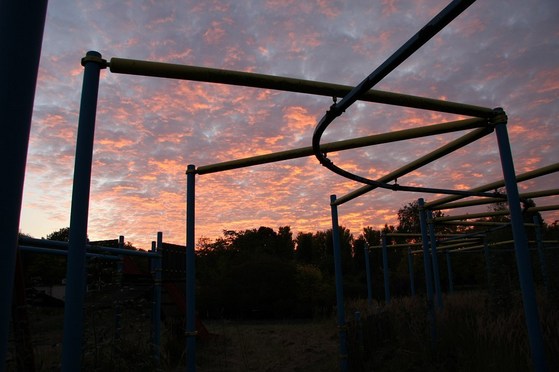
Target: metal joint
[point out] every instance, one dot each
(96, 59)
(499, 116)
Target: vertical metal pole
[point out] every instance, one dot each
(75, 272)
(435, 259)
(368, 273)
(157, 300)
(118, 310)
(428, 270)
(540, 250)
(449, 270)
(385, 269)
(21, 35)
(487, 264)
(342, 329)
(410, 269)
(520, 244)
(190, 330)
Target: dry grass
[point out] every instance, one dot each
(270, 346)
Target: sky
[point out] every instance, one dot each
(501, 53)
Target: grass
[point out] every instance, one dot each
(270, 346)
(472, 335)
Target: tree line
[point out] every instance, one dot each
(264, 273)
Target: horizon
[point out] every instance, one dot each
(148, 130)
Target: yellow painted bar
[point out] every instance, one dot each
(552, 168)
(480, 223)
(494, 213)
(376, 139)
(426, 159)
(470, 203)
(249, 79)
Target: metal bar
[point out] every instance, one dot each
(540, 250)
(473, 223)
(405, 245)
(22, 24)
(428, 271)
(526, 195)
(157, 300)
(64, 245)
(449, 271)
(376, 139)
(385, 270)
(488, 266)
(450, 12)
(248, 79)
(552, 168)
(190, 330)
(418, 163)
(434, 259)
(495, 213)
(338, 272)
(368, 273)
(118, 307)
(521, 246)
(59, 252)
(410, 269)
(478, 234)
(447, 247)
(75, 272)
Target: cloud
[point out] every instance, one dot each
(148, 130)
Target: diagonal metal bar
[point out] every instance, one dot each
(411, 46)
(552, 168)
(376, 139)
(426, 159)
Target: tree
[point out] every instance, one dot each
(61, 235)
(304, 248)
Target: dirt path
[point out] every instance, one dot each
(270, 346)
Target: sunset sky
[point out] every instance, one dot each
(496, 54)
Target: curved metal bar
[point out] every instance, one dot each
(419, 39)
(436, 154)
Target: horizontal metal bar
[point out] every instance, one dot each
(462, 244)
(471, 203)
(472, 223)
(399, 245)
(494, 213)
(64, 245)
(376, 139)
(552, 168)
(418, 163)
(60, 252)
(249, 79)
(477, 247)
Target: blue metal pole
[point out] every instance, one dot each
(520, 244)
(487, 263)
(449, 270)
(21, 35)
(428, 270)
(410, 269)
(75, 272)
(540, 250)
(385, 269)
(435, 259)
(157, 300)
(368, 273)
(342, 331)
(190, 330)
(119, 273)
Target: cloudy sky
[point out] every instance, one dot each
(496, 54)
